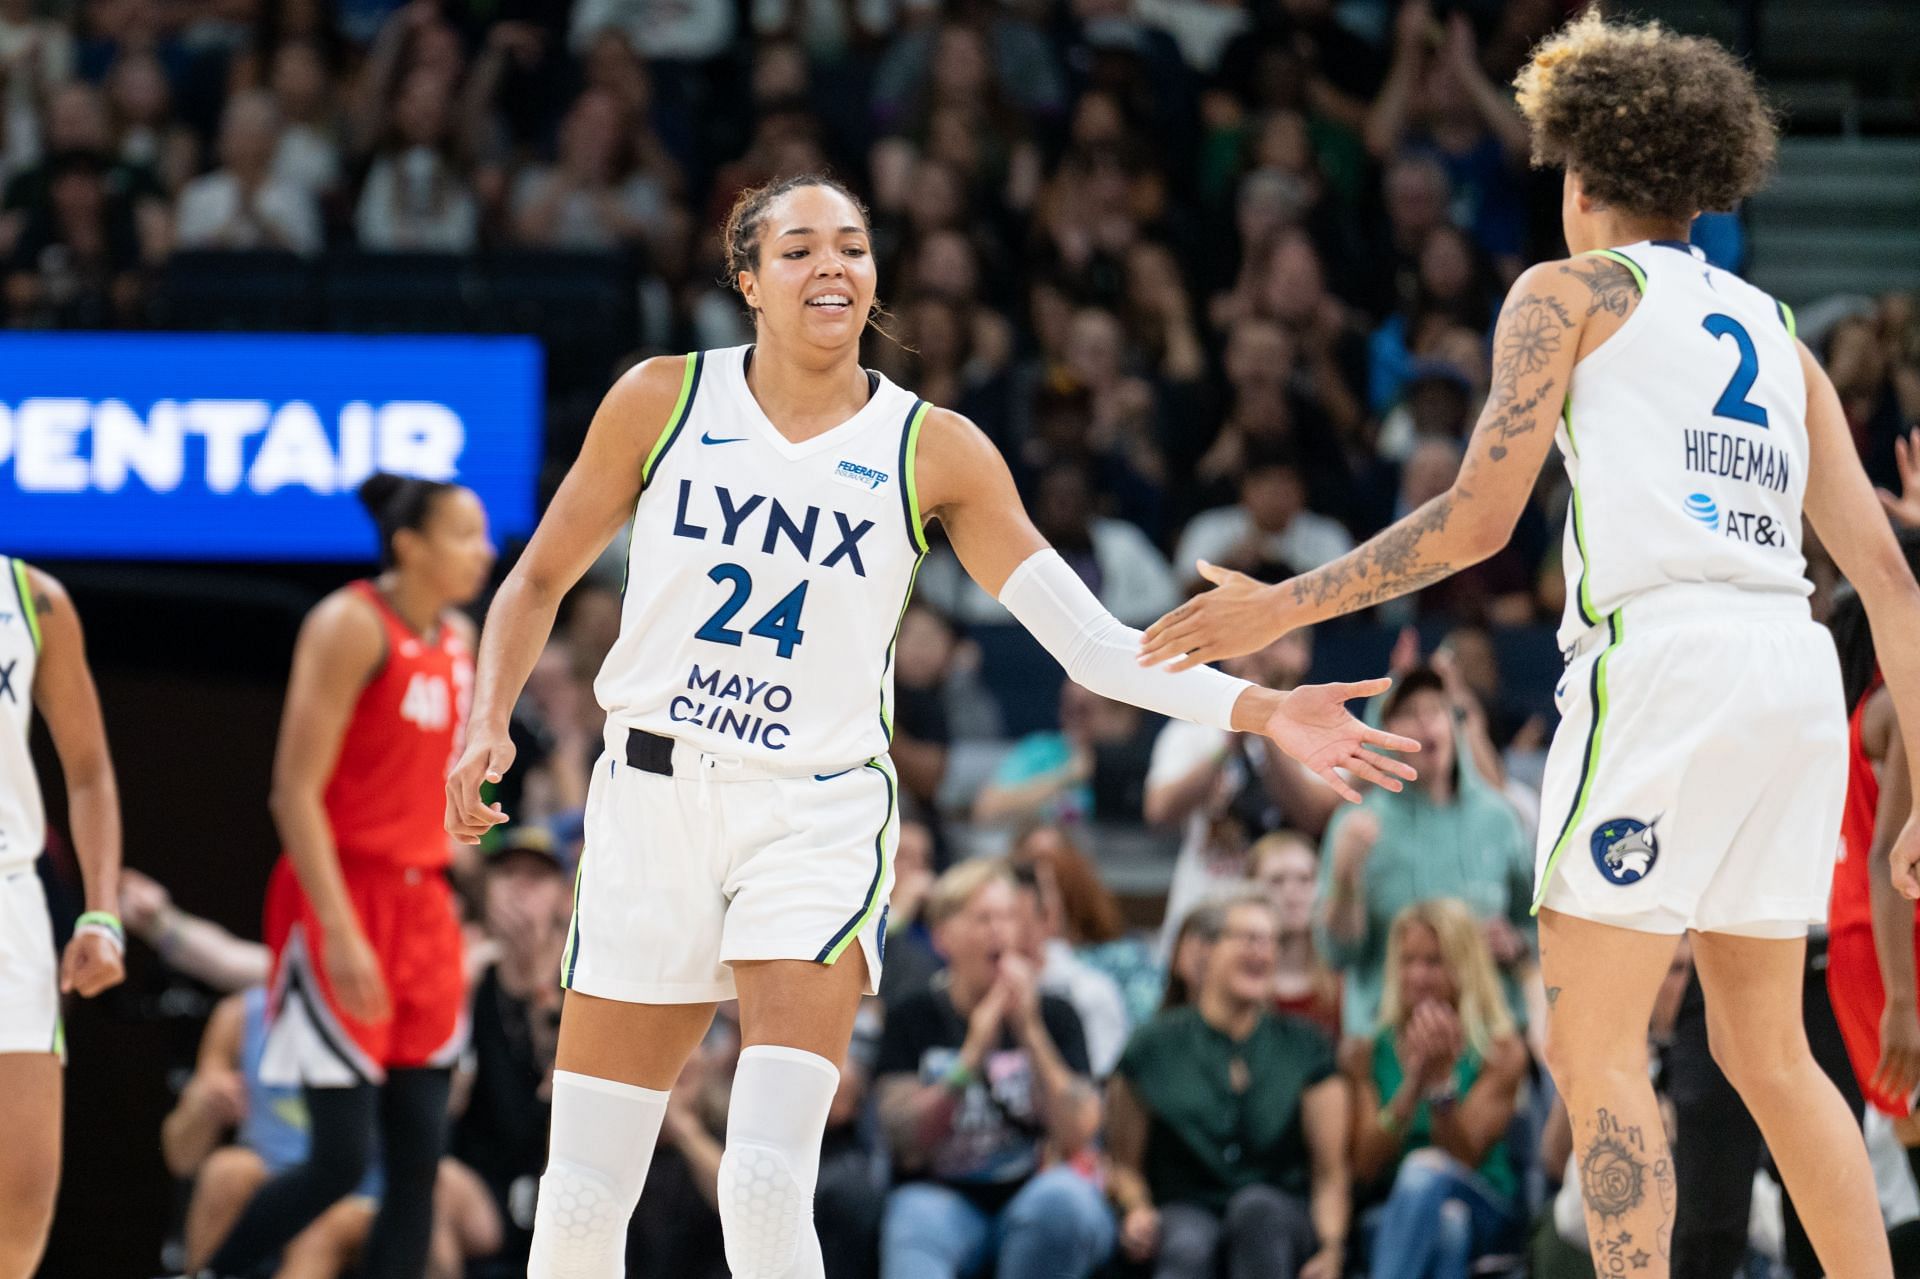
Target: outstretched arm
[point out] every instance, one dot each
(964, 480)
(598, 494)
(1535, 344)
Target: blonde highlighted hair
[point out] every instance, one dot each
(1481, 1003)
(952, 891)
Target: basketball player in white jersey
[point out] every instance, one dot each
(1696, 780)
(741, 824)
(43, 665)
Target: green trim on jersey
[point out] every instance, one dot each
(913, 574)
(27, 609)
(1583, 595)
(909, 455)
(1786, 318)
(850, 931)
(1614, 255)
(1590, 758)
(674, 419)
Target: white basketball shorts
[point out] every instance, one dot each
(1698, 773)
(29, 983)
(693, 863)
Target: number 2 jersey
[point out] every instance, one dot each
(766, 579)
(1685, 438)
(386, 799)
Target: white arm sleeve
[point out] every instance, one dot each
(1101, 654)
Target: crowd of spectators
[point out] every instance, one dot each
(1218, 276)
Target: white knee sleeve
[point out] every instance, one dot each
(601, 1145)
(779, 1109)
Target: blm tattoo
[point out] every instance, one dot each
(1613, 1171)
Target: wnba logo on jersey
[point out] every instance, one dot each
(1625, 850)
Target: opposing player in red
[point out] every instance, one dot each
(1871, 950)
(367, 990)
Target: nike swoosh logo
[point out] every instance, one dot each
(707, 438)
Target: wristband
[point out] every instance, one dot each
(1390, 1122)
(105, 924)
(958, 1076)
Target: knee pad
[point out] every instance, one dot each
(763, 1208)
(600, 1144)
(778, 1110)
(580, 1225)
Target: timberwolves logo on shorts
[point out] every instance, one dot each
(1625, 850)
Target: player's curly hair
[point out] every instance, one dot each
(746, 220)
(1655, 123)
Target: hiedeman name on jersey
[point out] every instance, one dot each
(1750, 461)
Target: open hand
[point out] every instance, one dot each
(1314, 726)
(1905, 858)
(1905, 509)
(1239, 615)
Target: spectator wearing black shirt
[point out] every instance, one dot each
(77, 261)
(984, 1094)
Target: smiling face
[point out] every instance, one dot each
(813, 281)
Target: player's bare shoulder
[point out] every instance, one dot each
(954, 456)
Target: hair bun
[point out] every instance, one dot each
(377, 492)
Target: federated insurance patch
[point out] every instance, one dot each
(1626, 849)
(860, 477)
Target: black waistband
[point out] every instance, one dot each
(649, 752)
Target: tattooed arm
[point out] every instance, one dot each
(1535, 345)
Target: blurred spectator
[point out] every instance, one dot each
(1286, 867)
(1094, 766)
(1415, 196)
(1229, 789)
(983, 1091)
(1202, 28)
(1269, 533)
(36, 55)
(77, 120)
(666, 30)
(911, 961)
(230, 1132)
(591, 197)
(923, 653)
(1437, 1085)
(1187, 956)
(1452, 288)
(1095, 997)
(416, 198)
(1447, 835)
(1284, 280)
(1083, 913)
(77, 261)
(1001, 69)
(242, 205)
(1438, 100)
(1113, 557)
(309, 152)
(186, 943)
(1495, 591)
(514, 1019)
(148, 134)
(223, 1094)
(1228, 1126)
(676, 1226)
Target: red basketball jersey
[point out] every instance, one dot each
(386, 800)
(1851, 906)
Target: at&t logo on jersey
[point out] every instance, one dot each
(1625, 850)
(1757, 528)
(859, 476)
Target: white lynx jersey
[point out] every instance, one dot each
(766, 580)
(1685, 437)
(23, 822)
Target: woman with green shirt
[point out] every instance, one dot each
(1226, 1123)
(1435, 1090)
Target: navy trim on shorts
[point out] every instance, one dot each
(879, 868)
